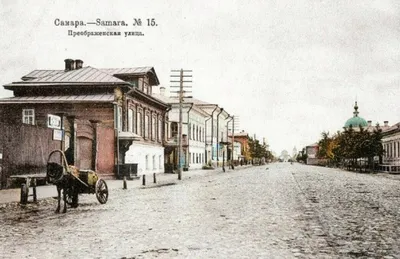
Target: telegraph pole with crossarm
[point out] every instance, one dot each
(181, 95)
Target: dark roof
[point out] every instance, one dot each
(393, 128)
(134, 71)
(60, 99)
(138, 93)
(82, 75)
(239, 134)
(41, 73)
(85, 75)
(130, 71)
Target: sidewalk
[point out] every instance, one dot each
(47, 191)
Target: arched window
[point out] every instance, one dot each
(159, 130)
(174, 129)
(146, 126)
(153, 127)
(139, 126)
(130, 120)
(200, 136)
(119, 118)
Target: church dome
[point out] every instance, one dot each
(356, 121)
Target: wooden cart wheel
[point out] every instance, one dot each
(101, 190)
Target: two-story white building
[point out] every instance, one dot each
(216, 133)
(204, 133)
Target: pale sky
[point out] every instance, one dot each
(288, 69)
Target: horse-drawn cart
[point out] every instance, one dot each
(72, 181)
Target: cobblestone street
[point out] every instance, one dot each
(274, 211)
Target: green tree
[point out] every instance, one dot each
(302, 156)
(258, 151)
(353, 147)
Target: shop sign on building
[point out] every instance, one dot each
(53, 121)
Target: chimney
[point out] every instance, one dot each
(386, 123)
(78, 63)
(69, 64)
(369, 123)
(162, 90)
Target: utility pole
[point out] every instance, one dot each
(233, 141)
(181, 94)
(234, 118)
(227, 140)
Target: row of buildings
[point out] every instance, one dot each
(390, 141)
(115, 121)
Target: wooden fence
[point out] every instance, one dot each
(25, 149)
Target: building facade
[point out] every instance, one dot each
(109, 119)
(216, 133)
(241, 153)
(391, 147)
(312, 151)
(202, 125)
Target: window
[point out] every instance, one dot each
(166, 132)
(174, 129)
(159, 130)
(119, 117)
(28, 116)
(139, 124)
(398, 149)
(390, 150)
(141, 84)
(153, 128)
(146, 126)
(130, 120)
(147, 162)
(154, 162)
(200, 139)
(159, 162)
(134, 83)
